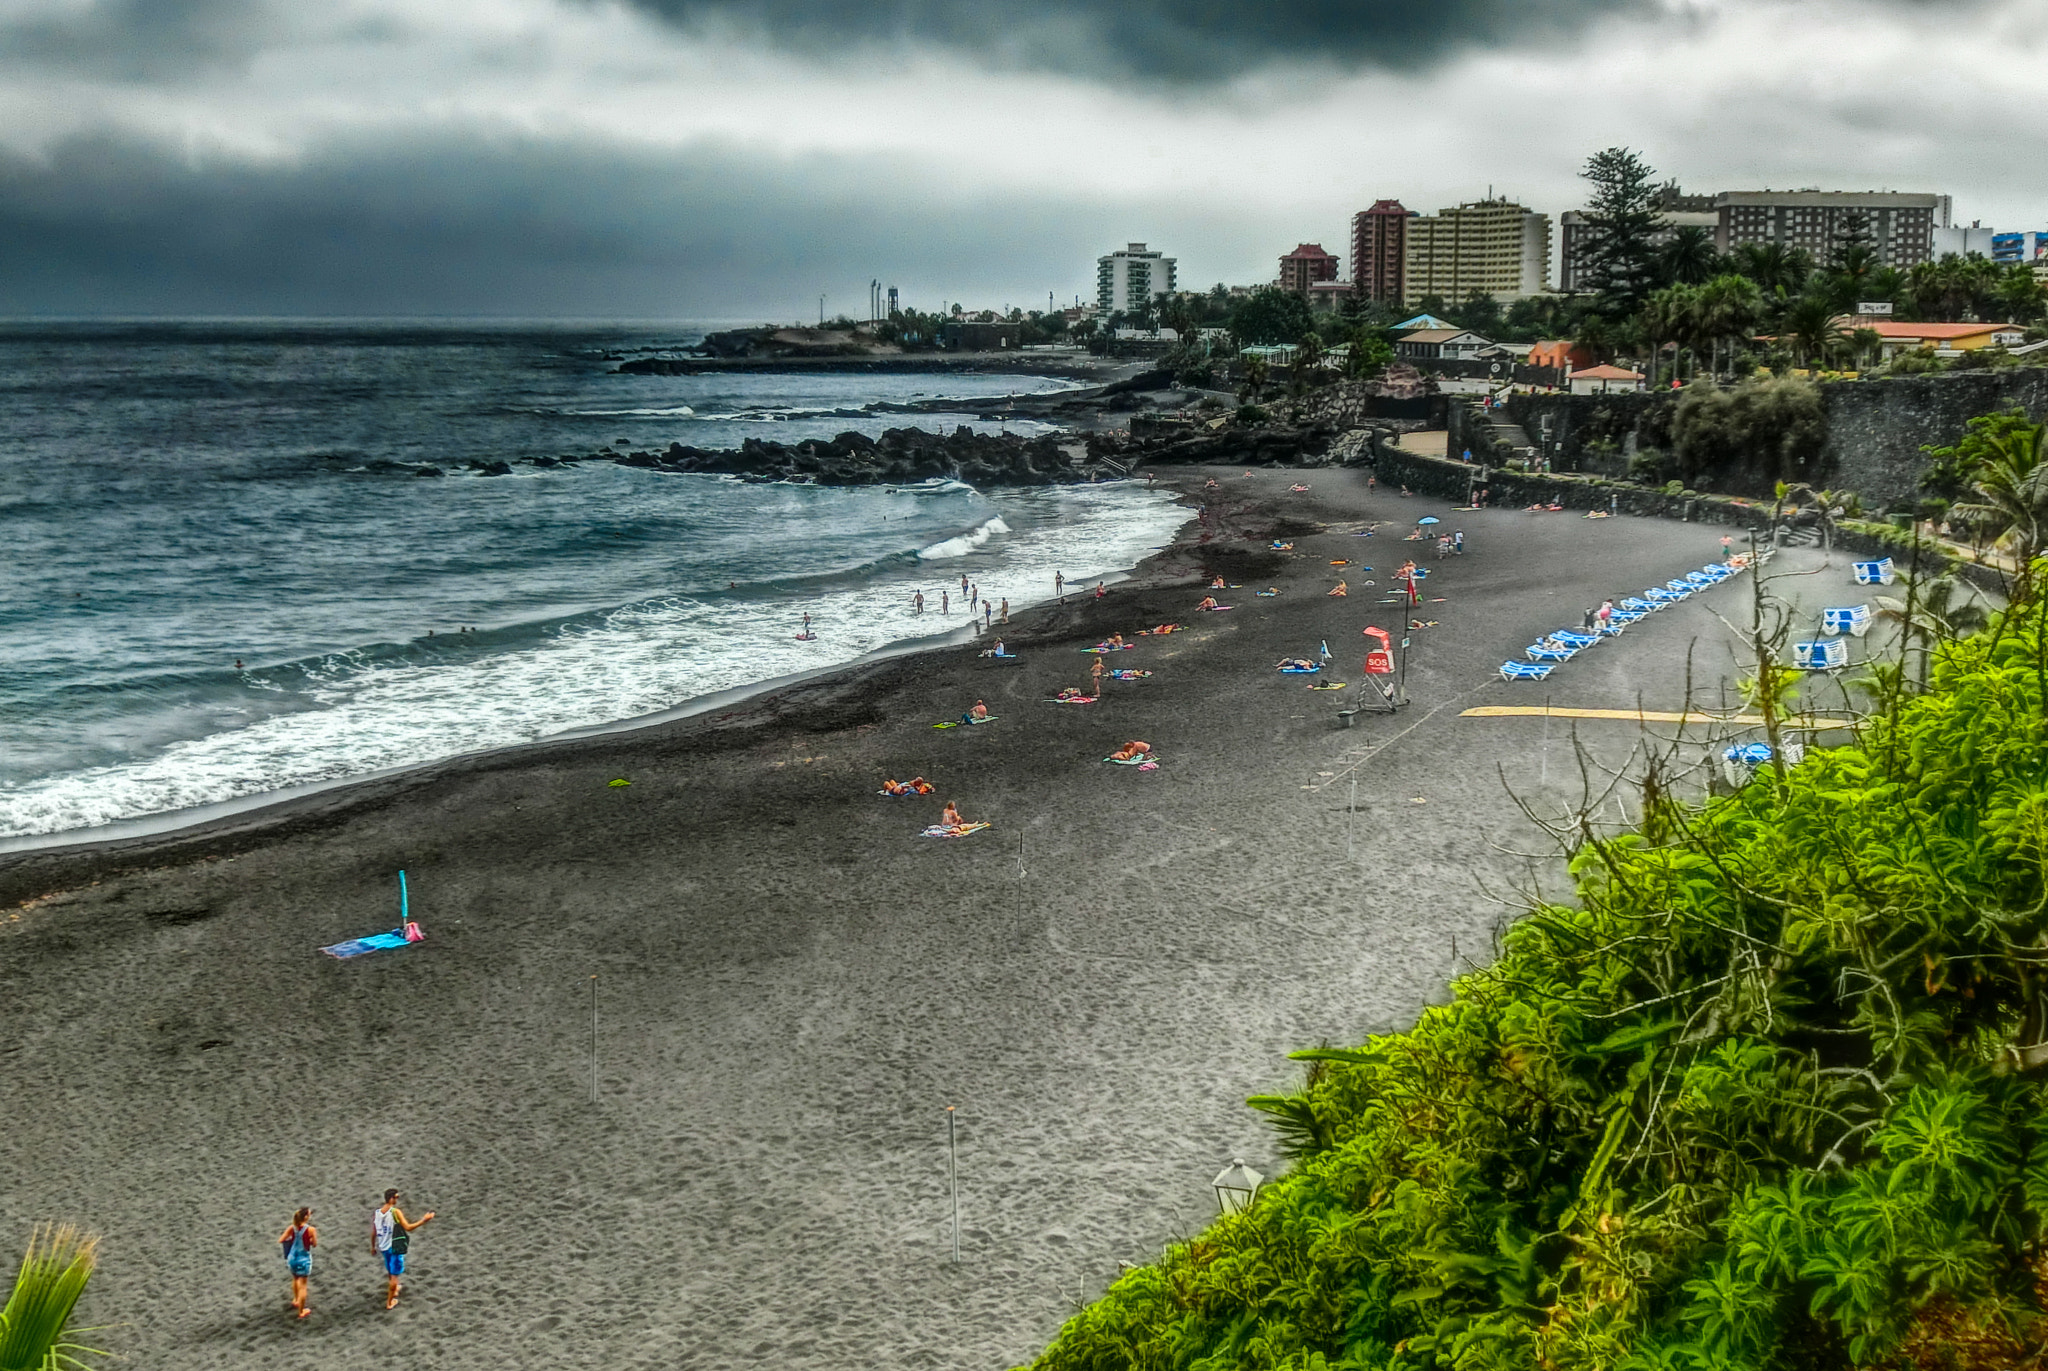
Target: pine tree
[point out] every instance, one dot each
(1622, 223)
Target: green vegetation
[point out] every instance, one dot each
(1768, 1095)
(1752, 435)
(1269, 316)
(1998, 465)
(36, 1333)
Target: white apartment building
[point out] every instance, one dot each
(1131, 279)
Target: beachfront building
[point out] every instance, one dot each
(1379, 252)
(1898, 225)
(1304, 267)
(1439, 344)
(1605, 380)
(1964, 240)
(1948, 340)
(1132, 279)
(1494, 247)
(1327, 297)
(2031, 246)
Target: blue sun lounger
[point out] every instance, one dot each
(1699, 580)
(1524, 671)
(1680, 588)
(1716, 572)
(1823, 654)
(1661, 597)
(1613, 628)
(1573, 639)
(1637, 605)
(1880, 573)
(1543, 652)
(1850, 619)
(1622, 615)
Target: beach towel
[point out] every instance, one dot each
(1341, 561)
(952, 830)
(1281, 547)
(1075, 700)
(376, 942)
(1524, 671)
(1327, 685)
(1128, 675)
(1162, 630)
(1108, 647)
(955, 723)
(1140, 760)
(1217, 609)
(1296, 490)
(1267, 594)
(1299, 670)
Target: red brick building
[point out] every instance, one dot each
(1379, 252)
(1305, 266)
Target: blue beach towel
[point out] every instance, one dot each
(356, 947)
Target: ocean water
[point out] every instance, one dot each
(177, 499)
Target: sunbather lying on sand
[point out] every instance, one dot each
(1295, 664)
(1071, 693)
(1283, 547)
(916, 785)
(1130, 750)
(1162, 628)
(1339, 589)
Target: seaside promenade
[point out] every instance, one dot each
(792, 985)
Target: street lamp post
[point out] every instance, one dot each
(1237, 1185)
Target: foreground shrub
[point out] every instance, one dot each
(1768, 1095)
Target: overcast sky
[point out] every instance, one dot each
(732, 158)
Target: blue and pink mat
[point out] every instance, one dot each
(404, 935)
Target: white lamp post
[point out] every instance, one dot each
(1236, 1186)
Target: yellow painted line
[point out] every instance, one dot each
(1638, 716)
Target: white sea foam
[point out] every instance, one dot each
(672, 412)
(964, 543)
(369, 716)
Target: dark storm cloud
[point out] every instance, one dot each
(169, 41)
(1166, 40)
(496, 228)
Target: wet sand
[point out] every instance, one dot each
(792, 984)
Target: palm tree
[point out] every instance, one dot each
(1932, 613)
(1308, 360)
(1773, 266)
(1728, 310)
(1255, 374)
(1813, 326)
(1689, 258)
(36, 1333)
(2012, 496)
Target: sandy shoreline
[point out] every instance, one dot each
(793, 984)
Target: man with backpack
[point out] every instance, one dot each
(390, 1236)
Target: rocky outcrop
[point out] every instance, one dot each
(901, 456)
(1227, 442)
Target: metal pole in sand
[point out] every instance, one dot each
(1351, 819)
(1543, 768)
(593, 1040)
(953, 1178)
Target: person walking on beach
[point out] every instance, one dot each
(390, 1237)
(298, 1243)
(1004, 612)
(1059, 586)
(1095, 677)
(988, 615)
(1458, 542)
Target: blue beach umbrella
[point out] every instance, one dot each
(1427, 519)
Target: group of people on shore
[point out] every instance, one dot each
(390, 1240)
(989, 611)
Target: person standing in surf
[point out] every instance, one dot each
(390, 1237)
(1059, 586)
(917, 602)
(298, 1243)
(945, 602)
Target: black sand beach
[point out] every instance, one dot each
(792, 985)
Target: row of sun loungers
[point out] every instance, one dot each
(1565, 644)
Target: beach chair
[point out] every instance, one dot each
(1544, 652)
(1524, 671)
(1679, 588)
(1823, 654)
(1716, 572)
(1573, 638)
(1660, 597)
(1613, 627)
(1637, 605)
(1624, 616)
(1853, 620)
(1880, 573)
(1699, 580)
